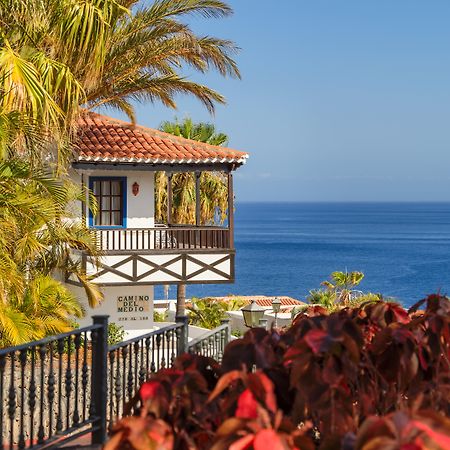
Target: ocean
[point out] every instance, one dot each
(289, 248)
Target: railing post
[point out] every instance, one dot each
(183, 341)
(226, 321)
(99, 393)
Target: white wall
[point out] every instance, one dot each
(140, 208)
(132, 314)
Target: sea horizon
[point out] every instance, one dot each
(289, 248)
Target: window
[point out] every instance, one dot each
(110, 196)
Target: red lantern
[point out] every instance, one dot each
(135, 188)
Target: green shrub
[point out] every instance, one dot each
(234, 303)
(159, 317)
(116, 333)
(206, 312)
(237, 333)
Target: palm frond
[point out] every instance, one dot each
(203, 8)
(15, 327)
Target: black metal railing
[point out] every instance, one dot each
(46, 389)
(130, 363)
(62, 387)
(212, 343)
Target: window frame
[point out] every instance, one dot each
(123, 181)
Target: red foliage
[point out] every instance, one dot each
(365, 378)
(246, 406)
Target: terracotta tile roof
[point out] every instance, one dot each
(263, 300)
(104, 139)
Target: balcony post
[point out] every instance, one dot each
(230, 209)
(197, 198)
(169, 198)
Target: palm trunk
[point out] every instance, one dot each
(181, 318)
(181, 300)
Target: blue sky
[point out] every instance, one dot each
(343, 100)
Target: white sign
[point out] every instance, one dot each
(137, 305)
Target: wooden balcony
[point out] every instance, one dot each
(161, 255)
(162, 238)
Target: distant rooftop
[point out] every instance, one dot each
(104, 139)
(264, 300)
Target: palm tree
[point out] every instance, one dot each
(202, 132)
(42, 45)
(45, 308)
(340, 292)
(213, 185)
(343, 284)
(58, 55)
(148, 46)
(36, 238)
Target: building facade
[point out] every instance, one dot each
(117, 161)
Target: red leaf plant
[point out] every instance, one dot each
(372, 377)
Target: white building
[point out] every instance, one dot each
(118, 161)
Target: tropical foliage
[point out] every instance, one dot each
(159, 316)
(36, 235)
(209, 312)
(206, 313)
(202, 132)
(371, 377)
(60, 54)
(339, 292)
(147, 46)
(213, 185)
(36, 238)
(116, 333)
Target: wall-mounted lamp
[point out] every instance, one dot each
(135, 188)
